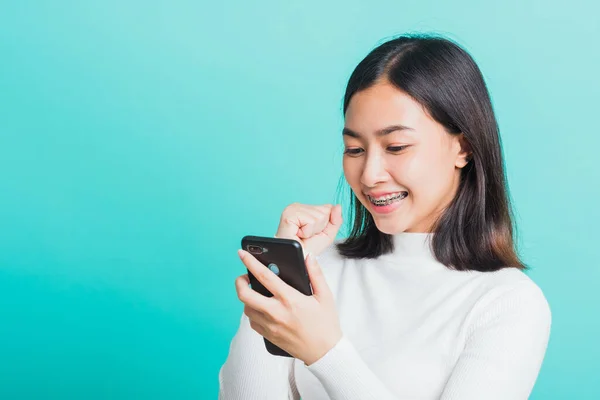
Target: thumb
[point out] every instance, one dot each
(317, 279)
(335, 222)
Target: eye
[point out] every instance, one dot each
(396, 149)
(352, 151)
(356, 151)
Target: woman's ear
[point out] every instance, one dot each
(465, 152)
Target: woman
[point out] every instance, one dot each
(426, 298)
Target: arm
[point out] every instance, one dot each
(503, 353)
(504, 349)
(251, 372)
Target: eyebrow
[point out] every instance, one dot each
(380, 132)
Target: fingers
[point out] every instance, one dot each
(244, 279)
(264, 275)
(255, 315)
(311, 224)
(288, 223)
(303, 221)
(257, 319)
(258, 328)
(249, 296)
(334, 223)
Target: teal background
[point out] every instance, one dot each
(140, 140)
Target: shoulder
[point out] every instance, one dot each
(511, 292)
(507, 283)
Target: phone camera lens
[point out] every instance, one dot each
(255, 249)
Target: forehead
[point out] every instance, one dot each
(383, 105)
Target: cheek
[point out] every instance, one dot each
(425, 177)
(352, 170)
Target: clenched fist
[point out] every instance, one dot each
(314, 227)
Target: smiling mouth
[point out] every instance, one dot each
(388, 199)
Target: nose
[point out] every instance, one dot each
(374, 171)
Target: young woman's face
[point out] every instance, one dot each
(415, 160)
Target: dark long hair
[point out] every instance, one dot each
(475, 232)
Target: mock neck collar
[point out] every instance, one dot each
(413, 244)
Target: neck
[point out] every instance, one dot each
(413, 244)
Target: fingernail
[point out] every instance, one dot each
(241, 253)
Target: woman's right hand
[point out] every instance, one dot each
(314, 227)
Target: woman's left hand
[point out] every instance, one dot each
(306, 327)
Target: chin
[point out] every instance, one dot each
(390, 229)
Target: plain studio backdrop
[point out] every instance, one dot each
(140, 140)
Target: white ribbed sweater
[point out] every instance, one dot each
(413, 329)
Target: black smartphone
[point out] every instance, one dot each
(285, 258)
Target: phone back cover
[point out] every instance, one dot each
(287, 255)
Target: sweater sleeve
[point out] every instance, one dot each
(251, 372)
(503, 353)
(505, 347)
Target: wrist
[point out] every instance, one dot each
(320, 351)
